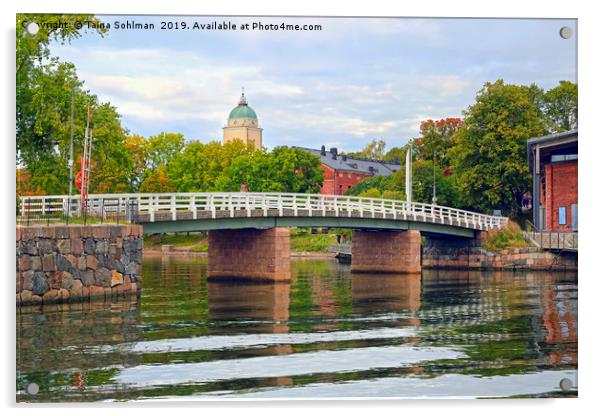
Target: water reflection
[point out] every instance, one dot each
(328, 333)
(266, 306)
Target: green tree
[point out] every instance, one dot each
(282, 170)
(395, 155)
(560, 107)
(39, 113)
(373, 150)
(381, 183)
(394, 195)
(489, 156)
(162, 148)
(198, 167)
(44, 88)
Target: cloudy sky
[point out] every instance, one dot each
(353, 81)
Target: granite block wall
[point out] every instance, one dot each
(59, 264)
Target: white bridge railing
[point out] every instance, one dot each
(154, 207)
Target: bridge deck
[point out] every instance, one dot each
(210, 211)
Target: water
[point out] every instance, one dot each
(328, 334)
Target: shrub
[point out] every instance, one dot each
(371, 193)
(511, 236)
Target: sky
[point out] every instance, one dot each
(355, 80)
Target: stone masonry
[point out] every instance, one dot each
(58, 264)
(385, 251)
(250, 254)
(468, 254)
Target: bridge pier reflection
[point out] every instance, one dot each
(265, 307)
(387, 293)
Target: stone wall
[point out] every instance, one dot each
(385, 251)
(456, 254)
(250, 254)
(58, 264)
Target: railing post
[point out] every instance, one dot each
(211, 205)
(309, 207)
(192, 206)
(336, 205)
(295, 207)
(280, 209)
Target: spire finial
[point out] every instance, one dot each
(243, 100)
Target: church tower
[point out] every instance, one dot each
(243, 125)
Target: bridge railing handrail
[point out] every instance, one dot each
(342, 205)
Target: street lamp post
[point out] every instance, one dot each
(434, 178)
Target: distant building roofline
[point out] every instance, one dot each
(364, 159)
(345, 163)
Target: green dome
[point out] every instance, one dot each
(242, 110)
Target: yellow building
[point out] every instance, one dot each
(243, 125)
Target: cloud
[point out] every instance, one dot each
(357, 79)
(447, 85)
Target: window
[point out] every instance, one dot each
(562, 215)
(563, 158)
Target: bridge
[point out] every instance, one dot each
(249, 232)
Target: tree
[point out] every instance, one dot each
(39, 79)
(282, 170)
(135, 145)
(43, 147)
(488, 155)
(43, 121)
(371, 193)
(157, 182)
(436, 139)
(198, 167)
(162, 148)
(560, 107)
(373, 150)
(395, 155)
(379, 182)
(394, 195)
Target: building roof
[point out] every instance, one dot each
(551, 142)
(338, 162)
(242, 110)
(553, 137)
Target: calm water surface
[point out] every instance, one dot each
(328, 334)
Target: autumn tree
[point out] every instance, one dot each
(156, 182)
(436, 139)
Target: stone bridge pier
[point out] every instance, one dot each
(250, 254)
(386, 251)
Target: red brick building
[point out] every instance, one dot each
(342, 172)
(553, 160)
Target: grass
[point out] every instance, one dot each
(177, 240)
(510, 236)
(303, 240)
